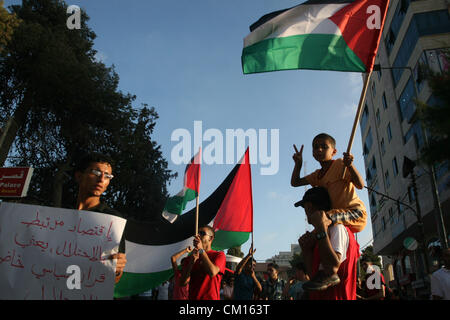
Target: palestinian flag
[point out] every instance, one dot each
(234, 220)
(191, 188)
(149, 246)
(338, 35)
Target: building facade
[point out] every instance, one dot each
(416, 35)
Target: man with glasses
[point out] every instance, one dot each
(93, 173)
(204, 269)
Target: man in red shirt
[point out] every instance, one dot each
(204, 269)
(333, 245)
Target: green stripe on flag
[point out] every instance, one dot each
(136, 283)
(229, 239)
(306, 51)
(177, 204)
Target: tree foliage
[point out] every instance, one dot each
(436, 118)
(67, 103)
(235, 251)
(8, 22)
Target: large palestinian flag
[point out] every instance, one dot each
(339, 35)
(149, 246)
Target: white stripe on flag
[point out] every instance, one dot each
(304, 19)
(169, 216)
(147, 259)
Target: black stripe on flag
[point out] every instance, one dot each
(267, 17)
(162, 232)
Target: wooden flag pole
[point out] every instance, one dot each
(196, 215)
(358, 114)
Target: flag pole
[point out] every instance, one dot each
(196, 215)
(358, 115)
(198, 192)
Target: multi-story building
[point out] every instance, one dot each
(416, 34)
(283, 257)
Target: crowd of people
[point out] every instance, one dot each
(330, 252)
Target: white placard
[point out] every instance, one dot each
(57, 254)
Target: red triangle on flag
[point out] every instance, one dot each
(236, 211)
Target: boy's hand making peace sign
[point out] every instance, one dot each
(298, 155)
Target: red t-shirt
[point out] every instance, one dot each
(201, 285)
(179, 292)
(346, 289)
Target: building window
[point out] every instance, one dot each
(406, 101)
(371, 171)
(394, 166)
(383, 147)
(374, 91)
(391, 216)
(411, 195)
(389, 132)
(383, 224)
(378, 117)
(368, 143)
(416, 132)
(385, 105)
(386, 178)
(364, 118)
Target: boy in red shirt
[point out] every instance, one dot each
(204, 269)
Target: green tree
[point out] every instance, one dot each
(436, 118)
(64, 103)
(235, 251)
(8, 22)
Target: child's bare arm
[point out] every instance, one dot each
(356, 178)
(296, 181)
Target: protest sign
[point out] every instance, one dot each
(57, 254)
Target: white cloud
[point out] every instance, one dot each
(273, 195)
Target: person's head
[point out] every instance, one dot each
(300, 272)
(315, 199)
(272, 270)
(93, 173)
(206, 236)
(324, 147)
(366, 264)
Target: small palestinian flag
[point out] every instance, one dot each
(191, 188)
(338, 35)
(149, 246)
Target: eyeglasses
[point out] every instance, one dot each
(98, 173)
(203, 233)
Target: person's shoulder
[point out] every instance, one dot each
(338, 228)
(216, 254)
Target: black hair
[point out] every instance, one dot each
(84, 162)
(326, 136)
(274, 265)
(300, 266)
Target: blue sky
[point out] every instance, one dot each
(183, 58)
